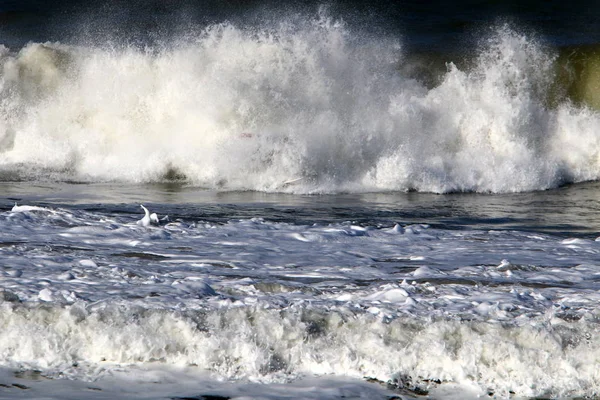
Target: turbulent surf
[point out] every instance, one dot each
(234, 200)
(251, 108)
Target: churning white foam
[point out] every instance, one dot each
(270, 345)
(245, 108)
(85, 294)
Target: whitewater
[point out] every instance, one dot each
(300, 208)
(93, 297)
(234, 108)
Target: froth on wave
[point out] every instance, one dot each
(551, 358)
(249, 109)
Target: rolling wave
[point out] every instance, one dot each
(304, 107)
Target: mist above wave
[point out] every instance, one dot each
(258, 109)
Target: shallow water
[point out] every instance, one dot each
(570, 211)
(491, 292)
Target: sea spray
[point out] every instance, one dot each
(313, 103)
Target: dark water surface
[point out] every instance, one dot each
(573, 210)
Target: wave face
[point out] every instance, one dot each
(240, 108)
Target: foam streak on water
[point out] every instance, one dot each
(256, 108)
(89, 294)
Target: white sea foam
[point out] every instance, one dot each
(543, 356)
(85, 295)
(239, 108)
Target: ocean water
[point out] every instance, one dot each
(353, 200)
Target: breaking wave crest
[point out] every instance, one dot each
(308, 106)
